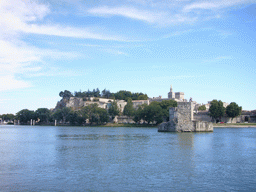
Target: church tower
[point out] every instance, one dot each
(171, 95)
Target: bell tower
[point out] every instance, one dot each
(171, 95)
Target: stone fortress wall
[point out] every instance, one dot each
(181, 120)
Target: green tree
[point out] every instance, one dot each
(62, 114)
(128, 109)
(72, 117)
(123, 95)
(139, 113)
(153, 113)
(66, 94)
(88, 112)
(99, 116)
(107, 94)
(202, 108)
(95, 114)
(233, 110)
(165, 105)
(43, 114)
(80, 117)
(113, 109)
(216, 110)
(25, 116)
(7, 117)
(142, 97)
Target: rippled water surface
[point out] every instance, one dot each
(126, 159)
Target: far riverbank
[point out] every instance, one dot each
(235, 125)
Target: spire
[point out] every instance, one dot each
(171, 89)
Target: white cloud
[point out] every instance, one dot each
(22, 18)
(19, 59)
(158, 17)
(18, 17)
(166, 13)
(55, 30)
(129, 12)
(14, 60)
(9, 82)
(212, 5)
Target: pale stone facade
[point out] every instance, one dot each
(77, 103)
(137, 103)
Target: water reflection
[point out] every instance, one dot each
(101, 137)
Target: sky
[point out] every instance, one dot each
(204, 48)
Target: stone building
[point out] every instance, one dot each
(181, 120)
(136, 103)
(245, 117)
(175, 95)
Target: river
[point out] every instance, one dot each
(47, 158)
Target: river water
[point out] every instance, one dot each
(43, 158)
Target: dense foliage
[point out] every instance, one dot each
(155, 112)
(7, 117)
(125, 95)
(25, 116)
(202, 108)
(113, 109)
(233, 110)
(217, 110)
(65, 115)
(43, 114)
(65, 94)
(120, 95)
(128, 109)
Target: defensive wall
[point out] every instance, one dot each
(181, 120)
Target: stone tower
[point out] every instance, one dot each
(181, 120)
(171, 95)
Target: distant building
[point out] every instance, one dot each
(175, 95)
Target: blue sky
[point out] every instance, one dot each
(204, 48)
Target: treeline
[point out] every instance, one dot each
(7, 117)
(65, 116)
(120, 95)
(217, 110)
